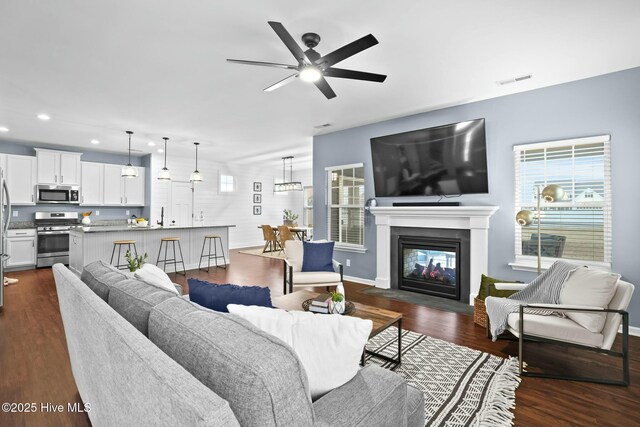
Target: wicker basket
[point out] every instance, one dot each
(479, 313)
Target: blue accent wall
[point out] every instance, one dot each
(607, 104)
(25, 213)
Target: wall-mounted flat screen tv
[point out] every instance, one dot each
(446, 160)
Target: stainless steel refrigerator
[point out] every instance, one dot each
(5, 217)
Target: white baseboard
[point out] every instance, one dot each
(633, 330)
(359, 280)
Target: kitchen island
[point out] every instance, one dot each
(89, 244)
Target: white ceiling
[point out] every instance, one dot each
(158, 68)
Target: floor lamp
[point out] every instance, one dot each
(551, 193)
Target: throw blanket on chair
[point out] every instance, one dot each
(544, 289)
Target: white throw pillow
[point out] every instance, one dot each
(589, 287)
(329, 346)
(154, 276)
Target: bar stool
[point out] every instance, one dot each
(215, 255)
(119, 244)
(166, 241)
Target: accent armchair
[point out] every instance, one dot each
(564, 331)
(294, 277)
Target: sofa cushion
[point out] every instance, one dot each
(133, 299)
(589, 287)
(259, 375)
(317, 256)
(555, 327)
(100, 276)
(217, 297)
(329, 347)
(309, 277)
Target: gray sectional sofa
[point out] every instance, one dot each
(144, 356)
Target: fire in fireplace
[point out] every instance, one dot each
(430, 266)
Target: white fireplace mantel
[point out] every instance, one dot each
(472, 218)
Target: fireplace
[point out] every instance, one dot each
(429, 266)
(433, 261)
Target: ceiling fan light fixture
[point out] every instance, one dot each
(310, 74)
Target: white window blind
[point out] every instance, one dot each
(578, 227)
(345, 214)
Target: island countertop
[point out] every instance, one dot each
(118, 228)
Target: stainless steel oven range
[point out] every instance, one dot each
(53, 236)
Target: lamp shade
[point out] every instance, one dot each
(524, 217)
(196, 176)
(552, 193)
(129, 171)
(164, 175)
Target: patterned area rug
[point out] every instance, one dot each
(461, 386)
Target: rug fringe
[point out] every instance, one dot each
(501, 397)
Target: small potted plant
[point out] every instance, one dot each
(135, 262)
(289, 218)
(337, 304)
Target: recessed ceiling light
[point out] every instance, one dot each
(151, 144)
(160, 150)
(4, 129)
(95, 142)
(44, 117)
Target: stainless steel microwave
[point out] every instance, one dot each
(69, 194)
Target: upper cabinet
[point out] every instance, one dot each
(20, 174)
(58, 167)
(91, 187)
(120, 191)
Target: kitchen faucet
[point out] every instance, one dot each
(161, 222)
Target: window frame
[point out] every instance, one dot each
(347, 247)
(220, 183)
(529, 262)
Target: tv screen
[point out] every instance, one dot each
(439, 161)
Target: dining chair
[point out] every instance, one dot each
(285, 234)
(270, 239)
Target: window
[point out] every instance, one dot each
(227, 184)
(577, 227)
(345, 214)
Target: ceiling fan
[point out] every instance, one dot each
(312, 67)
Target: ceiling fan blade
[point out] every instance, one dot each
(325, 88)
(356, 75)
(346, 51)
(281, 83)
(263, 64)
(291, 44)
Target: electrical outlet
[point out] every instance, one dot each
(15, 214)
(348, 262)
(97, 213)
(127, 213)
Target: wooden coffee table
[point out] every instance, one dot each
(380, 317)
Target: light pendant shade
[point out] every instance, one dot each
(165, 174)
(290, 185)
(196, 176)
(129, 171)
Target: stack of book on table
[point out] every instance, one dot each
(320, 304)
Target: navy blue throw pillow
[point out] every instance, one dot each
(216, 297)
(317, 256)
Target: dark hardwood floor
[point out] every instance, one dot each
(34, 363)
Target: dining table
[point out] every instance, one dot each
(300, 232)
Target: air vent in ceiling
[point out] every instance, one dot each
(326, 125)
(515, 79)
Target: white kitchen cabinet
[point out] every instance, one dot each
(21, 246)
(134, 189)
(119, 191)
(3, 164)
(21, 179)
(91, 184)
(58, 167)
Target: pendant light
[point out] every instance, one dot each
(196, 176)
(164, 174)
(290, 185)
(129, 171)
